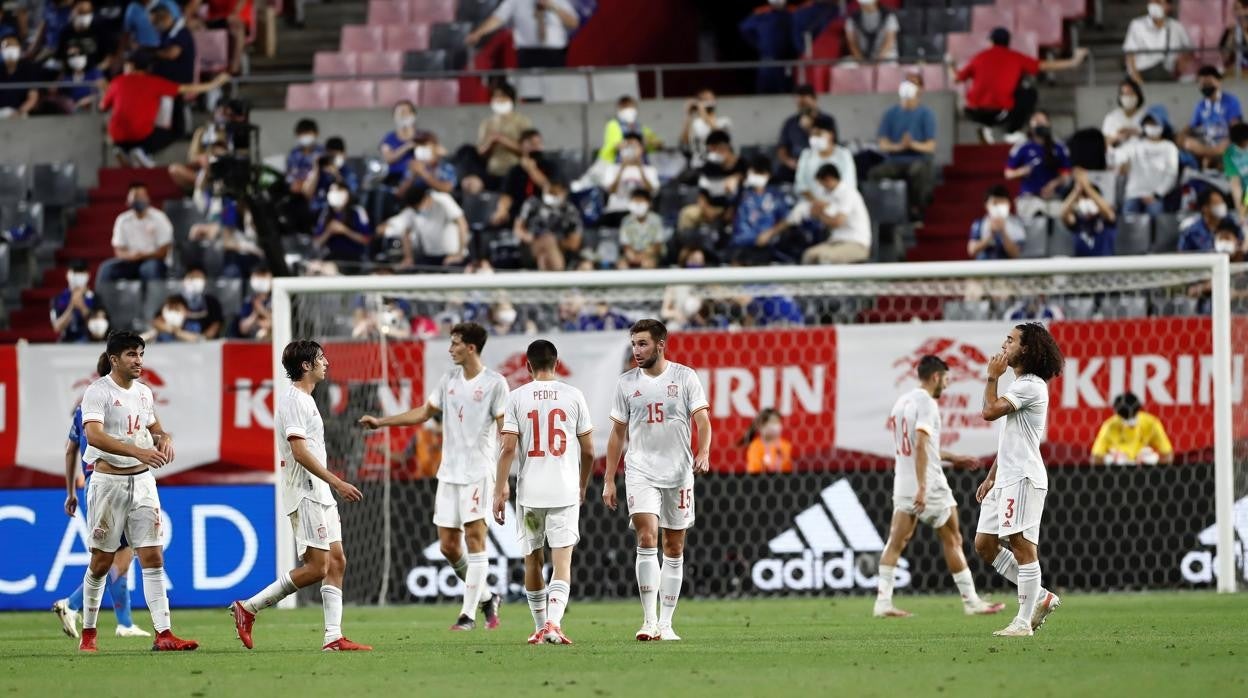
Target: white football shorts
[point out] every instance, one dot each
(456, 505)
(557, 526)
(1012, 509)
(123, 504)
(673, 505)
(315, 525)
(936, 511)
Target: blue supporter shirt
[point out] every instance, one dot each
(398, 168)
(1197, 237)
(593, 322)
(443, 171)
(1212, 119)
(55, 19)
(299, 163)
(756, 213)
(1013, 228)
(76, 330)
(78, 435)
(83, 87)
(1032, 153)
(340, 247)
(138, 23)
(181, 69)
(1094, 237)
(919, 122)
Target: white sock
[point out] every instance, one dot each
(558, 602)
(331, 604)
(884, 594)
(966, 586)
(1006, 565)
(1028, 591)
(157, 602)
(647, 568)
(537, 606)
(270, 595)
(461, 568)
(474, 583)
(670, 580)
(92, 594)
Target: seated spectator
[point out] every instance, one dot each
(1034, 308)
(719, 181)
(98, 325)
(1235, 38)
(1235, 167)
(57, 16)
(1131, 436)
(1001, 92)
(1208, 134)
(169, 325)
(234, 16)
(550, 228)
(343, 230)
(760, 216)
(203, 311)
(90, 35)
(330, 168)
(501, 318)
(387, 315)
(525, 180)
(431, 228)
(1043, 164)
(1090, 219)
(88, 83)
(839, 209)
(795, 133)
(137, 23)
(769, 31)
(823, 150)
(769, 306)
(767, 451)
(1151, 166)
(1123, 124)
(871, 33)
(1156, 46)
(500, 136)
(16, 101)
(907, 137)
(428, 166)
(700, 121)
(72, 307)
(627, 120)
(255, 318)
(231, 231)
(602, 318)
(641, 234)
(1229, 240)
(142, 239)
(618, 180)
(301, 161)
(997, 235)
(175, 57)
(1200, 232)
(398, 145)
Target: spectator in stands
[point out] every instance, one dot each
(760, 216)
(91, 37)
(839, 208)
(255, 318)
(399, 145)
(795, 133)
(500, 136)
(641, 234)
(700, 121)
(139, 28)
(997, 235)
(1201, 231)
(1229, 240)
(823, 150)
(342, 229)
(1156, 46)
(871, 33)
(431, 227)
(526, 179)
(719, 181)
(627, 120)
(618, 180)
(88, 82)
(907, 136)
(301, 165)
(550, 228)
(234, 16)
(98, 325)
(231, 231)
(203, 310)
(428, 167)
(15, 20)
(1208, 134)
(1151, 166)
(16, 101)
(602, 317)
(503, 319)
(169, 325)
(1234, 41)
(1131, 436)
(1235, 167)
(331, 168)
(72, 307)
(392, 318)
(767, 451)
(57, 16)
(142, 238)
(769, 31)
(540, 29)
(1033, 308)
(1043, 164)
(1123, 123)
(1001, 93)
(175, 56)
(1090, 219)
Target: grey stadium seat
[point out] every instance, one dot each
(1134, 233)
(1036, 245)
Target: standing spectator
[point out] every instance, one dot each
(342, 229)
(1235, 39)
(142, 239)
(1208, 134)
(907, 136)
(428, 167)
(234, 16)
(1124, 122)
(843, 213)
(1201, 231)
(871, 33)
(550, 226)
(175, 57)
(540, 29)
(526, 179)
(767, 451)
(627, 120)
(1235, 167)
(88, 82)
(1131, 435)
(1156, 46)
(1151, 166)
(169, 325)
(760, 216)
(16, 101)
(431, 228)
(618, 180)
(824, 150)
(769, 31)
(1090, 219)
(700, 121)
(56, 18)
(203, 311)
(1043, 164)
(795, 133)
(602, 318)
(301, 165)
(1000, 93)
(641, 234)
(500, 136)
(138, 22)
(72, 307)
(255, 318)
(89, 34)
(997, 235)
(399, 145)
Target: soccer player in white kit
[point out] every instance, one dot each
(652, 411)
(124, 443)
(541, 419)
(308, 499)
(471, 399)
(1012, 496)
(921, 493)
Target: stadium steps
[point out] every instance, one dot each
(296, 47)
(958, 201)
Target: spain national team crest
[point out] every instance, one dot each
(478, 395)
(672, 390)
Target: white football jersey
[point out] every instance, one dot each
(125, 414)
(548, 416)
(1018, 450)
(659, 412)
(915, 412)
(298, 418)
(469, 435)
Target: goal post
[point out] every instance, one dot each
(860, 305)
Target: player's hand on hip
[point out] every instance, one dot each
(997, 366)
(347, 491)
(368, 421)
(71, 504)
(608, 495)
(920, 501)
(984, 488)
(702, 464)
(501, 494)
(151, 458)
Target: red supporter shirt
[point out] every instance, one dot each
(221, 9)
(134, 99)
(995, 73)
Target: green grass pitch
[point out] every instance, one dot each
(1156, 644)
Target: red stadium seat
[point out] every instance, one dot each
(852, 79)
(985, 18)
(212, 50)
(961, 47)
(379, 63)
(935, 77)
(390, 92)
(360, 38)
(352, 94)
(387, 13)
(431, 11)
(307, 96)
(1040, 20)
(410, 37)
(331, 64)
(888, 76)
(1025, 43)
(1072, 9)
(439, 93)
(1205, 13)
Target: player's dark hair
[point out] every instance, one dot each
(764, 416)
(103, 366)
(296, 354)
(472, 334)
(656, 329)
(122, 341)
(542, 355)
(931, 364)
(1040, 354)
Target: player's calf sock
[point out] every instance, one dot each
(670, 581)
(558, 600)
(157, 601)
(474, 583)
(331, 604)
(884, 595)
(270, 595)
(92, 593)
(647, 568)
(461, 568)
(1028, 591)
(74, 602)
(119, 588)
(1006, 565)
(966, 586)
(537, 606)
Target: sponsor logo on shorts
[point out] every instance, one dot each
(1199, 566)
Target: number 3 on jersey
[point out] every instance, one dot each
(557, 439)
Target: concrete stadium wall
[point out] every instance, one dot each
(79, 138)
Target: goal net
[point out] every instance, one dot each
(830, 349)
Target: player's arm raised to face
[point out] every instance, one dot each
(994, 407)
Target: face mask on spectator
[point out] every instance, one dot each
(501, 106)
(1041, 131)
(692, 305)
(261, 284)
(998, 211)
(1207, 90)
(77, 279)
(1152, 130)
(552, 199)
(405, 121)
(867, 3)
(820, 143)
(755, 180)
(715, 157)
(97, 326)
(77, 63)
(701, 129)
(772, 431)
(11, 53)
(173, 318)
(1156, 11)
(194, 287)
(423, 153)
(638, 208)
(1218, 211)
(337, 198)
(1225, 246)
(1086, 208)
(339, 161)
(1128, 101)
(777, 3)
(907, 90)
(83, 21)
(627, 115)
(629, 152)
(505, 316)
(307, 140)
(138, 205)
